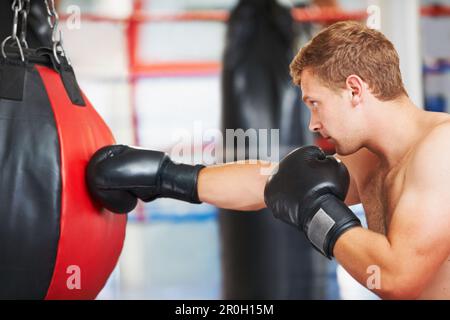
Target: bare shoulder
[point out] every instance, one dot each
(425, 190)
(431, 157)
(439, 133)
(435, 142)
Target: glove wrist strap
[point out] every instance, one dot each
(331, 219)
(179, 181)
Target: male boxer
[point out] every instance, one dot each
(391, 156)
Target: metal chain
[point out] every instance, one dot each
(25, 12)
(17, 8)
(53, 17)
(57, 39)
(22, 8)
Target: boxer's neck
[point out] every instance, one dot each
(395, 128)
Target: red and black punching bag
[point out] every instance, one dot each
(55, 242)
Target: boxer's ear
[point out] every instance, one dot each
(355, 86)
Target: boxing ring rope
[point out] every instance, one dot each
(299, 15)
(139, 68)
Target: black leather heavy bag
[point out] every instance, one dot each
(262, 258)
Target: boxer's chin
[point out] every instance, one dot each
(344, 149)
(340, 148)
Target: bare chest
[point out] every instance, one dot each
(379, 195)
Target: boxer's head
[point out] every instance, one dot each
(342, 71)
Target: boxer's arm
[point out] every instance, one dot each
(418, 241)
(236, 186)
(240, 185)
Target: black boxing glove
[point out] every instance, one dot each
(117, 175)
(307, 190)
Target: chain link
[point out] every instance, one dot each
(57, 39)
(17, 4)
(25, 12)
(21, 8)
(17, 8)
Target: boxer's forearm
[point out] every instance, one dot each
(370, 258)
(237, 186)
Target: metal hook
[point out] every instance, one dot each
(58, 47)
(22, 56)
